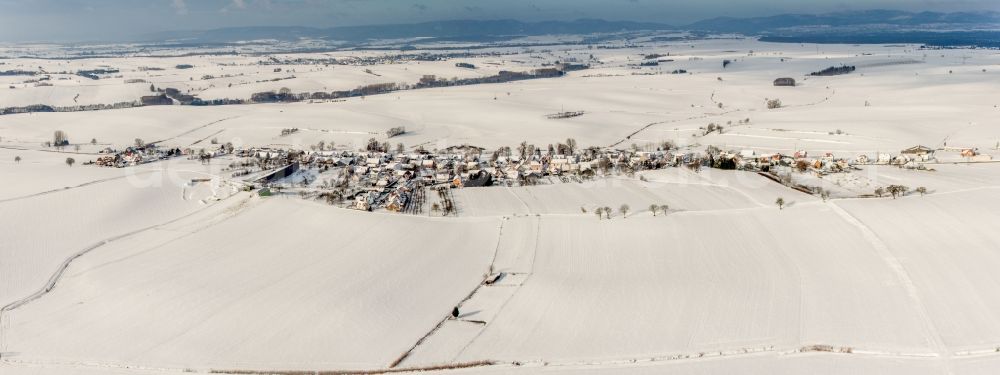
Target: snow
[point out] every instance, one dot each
(38, 172)
(568, 198)
(946, 242)
(41, 231)
(708, 282)
(918, 103)
(176, 277)
(293, 294)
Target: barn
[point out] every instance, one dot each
(784, 82)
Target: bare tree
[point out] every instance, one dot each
(922, 190)
(780, 202)
(93, 141)
(70, 161)
(653, 208)
(435, 207)
(59, 138)
(879, 192)
(774, 103)
(607, 212)
(571, 145)
(624, 210)
(897, 190)
(599, 211)
(17, 159)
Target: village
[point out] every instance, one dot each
(380, 177)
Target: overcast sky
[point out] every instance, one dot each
(69, 20)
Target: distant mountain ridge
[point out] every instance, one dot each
(784, 25)
(757, 25)
(456, 29)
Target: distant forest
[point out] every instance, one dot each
(981, 39)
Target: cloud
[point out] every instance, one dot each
(234, 5)
(179, 6)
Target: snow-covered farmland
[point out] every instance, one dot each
(575, 198)
(914, 97)
(41, 231)
(168, 268)
(693, 283)
(264, 289)
(948, 244)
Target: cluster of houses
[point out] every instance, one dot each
(391, 180)
(132, 156)
(396, 181)
(750, 160)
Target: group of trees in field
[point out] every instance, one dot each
(69, 161)
(374, 145)
(525, 150)
(834, 70)
(605, 212)
(655, 207)
(893, 190)
(898, 191)
(59, 140)
(396, 131)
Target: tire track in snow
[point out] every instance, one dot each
(904, 277)
(711, 115)
(193, 130)
(57, 275)
(49, 151)
(85, 184)
(531, 271)
(430, 333)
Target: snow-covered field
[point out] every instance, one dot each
(296, 284)
(916, 96)
(152, 270)
(43, 230)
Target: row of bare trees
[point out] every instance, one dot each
(898, 191)
(605, 211)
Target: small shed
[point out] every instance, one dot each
(784, 82)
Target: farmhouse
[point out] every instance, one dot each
(919, 153)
